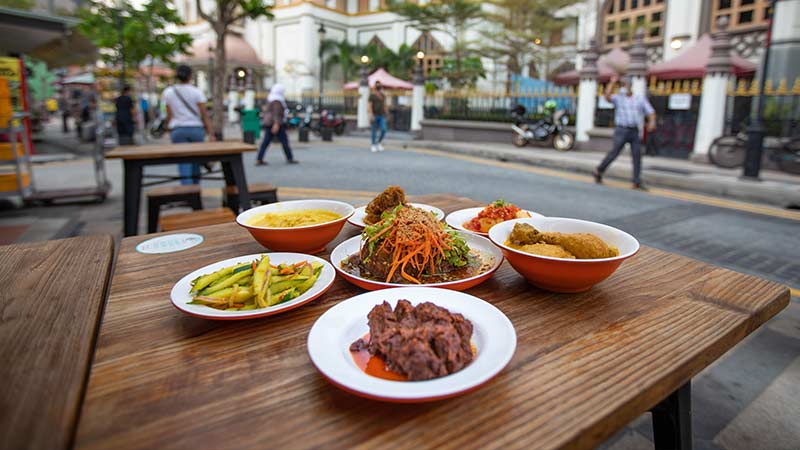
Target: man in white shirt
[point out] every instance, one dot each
(187, 118)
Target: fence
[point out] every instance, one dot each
(497, 107)
(781, 110)
(343, 102)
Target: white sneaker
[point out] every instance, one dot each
(380, 147)
(373, 148)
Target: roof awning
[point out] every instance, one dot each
(691, 63)
(388, 81)
(43, 36)
(237, 52)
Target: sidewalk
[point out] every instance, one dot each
(775, 188)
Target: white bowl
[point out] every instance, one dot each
(456, 219)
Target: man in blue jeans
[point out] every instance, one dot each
(378, 110)
(187, 118)
(629, 112)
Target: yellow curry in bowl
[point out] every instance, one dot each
(293, 219)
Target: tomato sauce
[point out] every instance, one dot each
(374, 365)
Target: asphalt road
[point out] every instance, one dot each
(759, 244)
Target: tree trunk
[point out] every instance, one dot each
(218, 94)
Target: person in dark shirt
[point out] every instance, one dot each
(124, 116)
(377, 116)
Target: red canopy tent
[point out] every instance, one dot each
(613, 62)
(691, 63)
(388, 81)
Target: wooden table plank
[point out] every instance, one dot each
(179, 150)
(50, 304)
(586, 364)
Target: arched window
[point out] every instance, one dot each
(742, 14)
(434, 52)
(621, 19)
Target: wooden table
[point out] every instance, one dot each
(585, 365)
(50, 302)
(135, 158)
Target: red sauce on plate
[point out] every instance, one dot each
(374, 365)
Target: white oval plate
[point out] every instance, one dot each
(330, 338)
(456, 219)
(357, 219)
(181, 298)
(353, 246)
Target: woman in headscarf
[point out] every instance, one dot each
(273, 125)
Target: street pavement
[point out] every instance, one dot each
(747, 400)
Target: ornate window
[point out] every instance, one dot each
(434, 52)
(621, 18)
(742, 14)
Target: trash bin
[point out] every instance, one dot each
(251, 125)
(302, 134)
(327, 134)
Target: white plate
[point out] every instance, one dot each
(483, 245)
(181, 298)
(330, 338)
(456, 219)
(357, 219)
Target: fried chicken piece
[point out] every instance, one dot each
(582, 245)
(553, 251)
(524, 234)
(388, 199)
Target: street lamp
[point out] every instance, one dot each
(757, 131)
(418, 76)
(364, 59)
(321, 33)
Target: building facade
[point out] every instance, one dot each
(289, 44)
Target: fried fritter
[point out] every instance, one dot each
(524, 234)
(386, 200)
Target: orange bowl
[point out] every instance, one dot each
(306, 239)
(561, 274)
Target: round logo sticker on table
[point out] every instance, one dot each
(169, 243)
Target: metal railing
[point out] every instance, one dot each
(781, 110)
(497, 107)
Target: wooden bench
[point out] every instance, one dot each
(260, 194)
(52, 299)
(181, 221)
(184, 195)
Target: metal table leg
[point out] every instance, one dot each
(672, 420)
(133, 194)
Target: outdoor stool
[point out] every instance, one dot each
(181, 221)
(260, 194)
(188, 195)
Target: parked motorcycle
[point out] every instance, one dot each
(295, 117)
(551, 128)
(329, 119)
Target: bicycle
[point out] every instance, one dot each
(729, 151)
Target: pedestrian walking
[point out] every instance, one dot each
(187, 118)
(378, 110)
(273, 125)
(124, 117)
(145, 106)
(629, 113)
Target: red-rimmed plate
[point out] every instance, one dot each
(180, 292)
(357, 219)
(456, 219)
(487, 250)
(329, 345)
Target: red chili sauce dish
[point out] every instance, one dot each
(414, 343)
(498, 211)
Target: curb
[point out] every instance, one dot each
(769, 192)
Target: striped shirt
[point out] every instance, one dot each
(629, 111)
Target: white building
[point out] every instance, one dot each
(290, 42)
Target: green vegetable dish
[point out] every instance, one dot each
(254, 285)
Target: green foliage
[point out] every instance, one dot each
(24, 5)
(144, 31)
(468, 73)
(41, 81)
(347, 57)
(523, 23)
(452, 17)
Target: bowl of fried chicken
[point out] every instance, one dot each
(563, 255)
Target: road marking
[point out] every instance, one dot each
(661, 192)
(794, 292)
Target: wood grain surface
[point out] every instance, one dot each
(585, 365)
(50, 305)
(179, 150)
(184, 220)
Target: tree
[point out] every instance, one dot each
(452, 17)
(344, 55)
(18, 4)
(226, 14)
(144, 31)
(524, 32)
(348, 58)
